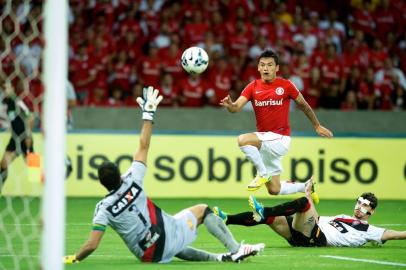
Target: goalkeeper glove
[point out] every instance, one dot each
(69, 259)
(149, 102)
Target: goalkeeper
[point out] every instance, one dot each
(151, 234)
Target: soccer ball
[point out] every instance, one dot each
(195, 60)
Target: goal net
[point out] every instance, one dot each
(25, 202)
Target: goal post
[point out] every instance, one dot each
(54, 119)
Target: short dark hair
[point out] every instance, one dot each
(269, 54)
(109, 175)
(370, 197)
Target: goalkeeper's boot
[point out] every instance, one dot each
(313, 194)
(257, 209)
(247, 250)
(220, 213)
(256, 183)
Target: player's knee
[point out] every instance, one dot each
(303, 204)
(206, 210)
(199, 210)
(242, 140)
(273, 190)
(202, 206)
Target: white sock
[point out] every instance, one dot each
(291, 187)
(253, 155)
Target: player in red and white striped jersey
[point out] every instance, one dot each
(299, 223)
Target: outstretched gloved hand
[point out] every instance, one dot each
(149, 102)
(69, 259)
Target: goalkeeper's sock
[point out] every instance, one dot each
(253, 155)
(287, 209)
(288, 187)
(218, 229)
(193, 254)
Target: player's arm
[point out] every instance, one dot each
(393, 235)
(87, 248)
(148, 103)
(145, 138)
(235, 106)
(308, 111)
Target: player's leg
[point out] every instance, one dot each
(274, 148)
(218, 229)
(26, 146)
(304, 221)
(8, 157)
(278, 187)
(278, 224)
(194, 254)
(243, 219)
(279, 218)
(285, 209)
(215, 226)
(250, 144)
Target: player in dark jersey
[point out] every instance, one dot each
(300, 224)
(21, 124)
(270, 98)
(149, 232)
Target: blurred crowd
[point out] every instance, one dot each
(341, 54)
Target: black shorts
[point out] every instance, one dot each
(316, 239)
(19, 148)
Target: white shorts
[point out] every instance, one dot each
(273, 147)
(181, 234)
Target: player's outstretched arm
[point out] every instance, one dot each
(233, 106)
(308, 111)
(393, 235)
(88, 247)
(149, 104)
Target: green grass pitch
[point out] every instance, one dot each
(113, 254)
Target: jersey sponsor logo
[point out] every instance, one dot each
(270, 102)
(338, 226)
(338, 223)
(125, 200)
(279, 91)
(151, 237)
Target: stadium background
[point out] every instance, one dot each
(350, 67)
(347, 58)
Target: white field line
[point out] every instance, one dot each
(101, 256)
(34, 224)
(389, 225)
(121, 256)
(90, 224)
(363, 260)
